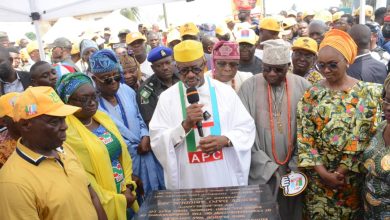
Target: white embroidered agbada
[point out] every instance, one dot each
(183, 170)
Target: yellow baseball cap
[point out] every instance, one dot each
(131, 37)
(305, 43)
(7, 103)
(289, 22)
(189, 29)
(270, 23)
(369, 11)
(308, 13)
(221, 30)
(33, 45)
(75, 48)
(188, 51)
(173, 35)
(336, 16)
(324, 16)
(41, 100)
(246, 36)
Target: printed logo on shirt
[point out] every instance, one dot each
(197, 156)
(106, 138)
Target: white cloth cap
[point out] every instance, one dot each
(276, 52)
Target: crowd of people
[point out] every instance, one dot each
(89, 131)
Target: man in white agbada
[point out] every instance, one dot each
(225, 61)
(222, 157)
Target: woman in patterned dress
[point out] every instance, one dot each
(376, 157)
(336, 120)
(99, 146)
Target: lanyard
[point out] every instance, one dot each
(123, 113)
(271, 119)
(215, 130)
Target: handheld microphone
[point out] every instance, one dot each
(193, 97)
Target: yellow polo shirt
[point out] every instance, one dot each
(33, 186)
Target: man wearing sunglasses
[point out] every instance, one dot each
(303, 58)
(221, 157)
(271, 98)
(119, 101)
(225, 59)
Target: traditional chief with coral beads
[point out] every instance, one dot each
(271, 98)
(222, 156)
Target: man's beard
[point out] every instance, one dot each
(199, 79)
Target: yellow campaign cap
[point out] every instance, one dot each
(188, 51)
(324, 16)
(270, 23)
(131, 37)
(246, 36)
(173, 35)
(369, 11)
(229, 19)
(41, 100)
(289, 22)
(305, 43)
(221, 30)
(33, 45)
(75, 48)
(189, 29)
(336, 16)
(308, 13)
(7, 103)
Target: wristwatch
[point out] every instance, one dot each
(229, 144)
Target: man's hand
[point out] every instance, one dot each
(194, 114)
(144, 146)
(211, 144)
(140, 185)
(130, 198)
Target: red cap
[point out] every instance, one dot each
(244, 7)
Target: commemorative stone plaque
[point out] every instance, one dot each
(241, 202)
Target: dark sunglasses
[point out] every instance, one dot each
(109, 80)
(268, 69)
(194, 69)
(223, 64)
(304, 55)
(330, 65)
(85, 100)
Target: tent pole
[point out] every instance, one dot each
(362, 13)
(36, 17)
(39, 40)
(165, 16)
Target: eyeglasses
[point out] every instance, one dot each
(245, 46)
(305, 55)
(194, 69)
(110, 79)
(85, 100)
(268, 69)
(331, 66)
(231, 64)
